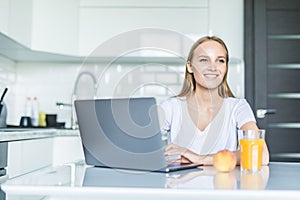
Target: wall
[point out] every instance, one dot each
(8, 76)
(54, 82)
(49, 82)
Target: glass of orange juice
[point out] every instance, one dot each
(251, 144)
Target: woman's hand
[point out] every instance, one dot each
(173, 149)
(187, 156)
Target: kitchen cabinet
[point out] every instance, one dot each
(184, 17)
(16, 52)
(55, 26)
(16, 19)
(33, 149)
(66, 149)
(28, 155)
(74, 27)
(77, 27)
(43, 25)
(4, 13)
(272, 43)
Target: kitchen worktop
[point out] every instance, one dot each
(16, 134)
(78, 181)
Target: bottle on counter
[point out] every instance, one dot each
(35, 113)
(28, 107)
(42, 119)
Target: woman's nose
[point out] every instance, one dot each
(212, 67)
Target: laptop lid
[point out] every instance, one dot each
(122, 133)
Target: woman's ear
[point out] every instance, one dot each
(189, 67)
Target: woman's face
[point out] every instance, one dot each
(208, 64)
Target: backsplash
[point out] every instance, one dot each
(54, 82)
(8, 77)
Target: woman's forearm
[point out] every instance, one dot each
(209, 159)
(265, 156)
(200, 159)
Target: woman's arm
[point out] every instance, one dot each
(189, 156)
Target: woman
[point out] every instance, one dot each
(204, 117)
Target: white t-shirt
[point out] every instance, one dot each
(220, 134)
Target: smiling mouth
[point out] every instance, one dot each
(210, 75)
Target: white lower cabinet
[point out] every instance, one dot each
(28, 155)
(67, 150)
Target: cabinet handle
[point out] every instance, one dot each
(261, 113)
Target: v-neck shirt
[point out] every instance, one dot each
(219, 134)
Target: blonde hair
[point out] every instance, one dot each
(189, 84)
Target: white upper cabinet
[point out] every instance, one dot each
(4, 12)
(43, 25)
(102, 20)
(16, 20)
(55, 26)
(78, 27)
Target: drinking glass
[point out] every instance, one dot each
(251, 144)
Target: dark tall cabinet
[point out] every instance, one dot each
(272, 66)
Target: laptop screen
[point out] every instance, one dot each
(121, 133)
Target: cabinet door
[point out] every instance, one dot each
(28, 155)
(66, 150)
(4, 13)
(20, 21)
(272, 46)
(55, 26)
(100, 21)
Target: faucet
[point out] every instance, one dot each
(74, 124)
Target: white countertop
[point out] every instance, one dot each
(78, 181)
(16, 134)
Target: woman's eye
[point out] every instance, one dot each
(203, 60)
(221, 61)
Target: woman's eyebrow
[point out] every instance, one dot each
(201, 56)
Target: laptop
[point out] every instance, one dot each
(123, 133)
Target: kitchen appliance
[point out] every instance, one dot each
(25, 122)
(3, 115)
(3, 158)
(3, 110)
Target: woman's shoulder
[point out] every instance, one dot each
(233, 101)
(173, 102)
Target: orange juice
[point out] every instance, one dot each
(251, 154)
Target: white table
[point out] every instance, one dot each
(78, 181)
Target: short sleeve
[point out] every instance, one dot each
(244, 113)
(165, 115)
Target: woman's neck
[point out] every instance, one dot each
(203, 106)
(207, 97)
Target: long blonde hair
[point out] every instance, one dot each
(189, 84)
